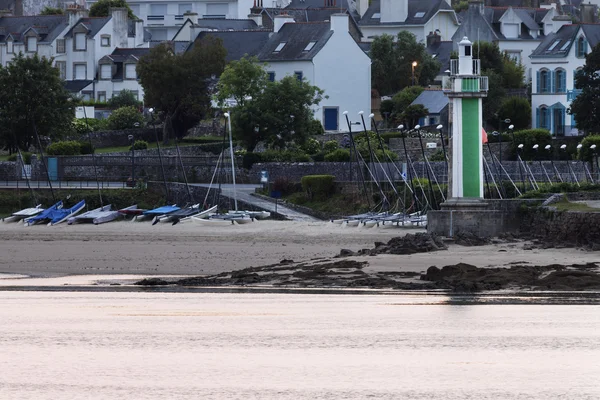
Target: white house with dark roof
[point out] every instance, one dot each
(420, 17)
(117, 72)
(555, 62)
(193, 25)
(163, 18)
(326, 55)
(517, 31)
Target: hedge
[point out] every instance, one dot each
(64, 148)
(587, 154)
(318, 186)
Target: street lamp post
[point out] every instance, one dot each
(131, 142)
(414, 64)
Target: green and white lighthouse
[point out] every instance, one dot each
(465, 89)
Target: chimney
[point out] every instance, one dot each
(280, 20)
(361, 7)
(433, 38)
(192, 16)
(139, 32)
(339, 23)
(559, 21)
(119, 23)
(394, 10)
(256, 18)
(476, 6)
(75, 13)
(588, 13)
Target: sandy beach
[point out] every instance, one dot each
(142, 249)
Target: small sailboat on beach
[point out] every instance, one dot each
(24, 214)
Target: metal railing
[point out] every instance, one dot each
(475, 68)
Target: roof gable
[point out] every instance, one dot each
(92, 24)
(47, 27)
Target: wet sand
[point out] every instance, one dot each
(186, 249)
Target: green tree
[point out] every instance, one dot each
(32, 98)
(392, 63)
(403, 99)
(513, 73)
(179, 85)
(126, 98)
(518, 110)
(586, 106)
(413, 113)
(282, 115)
(125, 118)
(241, 80)
(101, 8)
(52, 11)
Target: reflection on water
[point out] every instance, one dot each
(287, 346)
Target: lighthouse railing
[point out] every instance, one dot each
(475, 70)
(465, 84)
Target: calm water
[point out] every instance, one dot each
(288, 346)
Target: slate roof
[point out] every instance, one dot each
(296, 37)
(77, 86)
(177, 46)
(221, 24)
(441, 52)
(94, 24)
(339, 4)
(238, 43)
(48, 27)
(428, 7)
(567, 33)
(433, 100)
(122, 53)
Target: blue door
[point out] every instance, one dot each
(331, 118)
(53, 168)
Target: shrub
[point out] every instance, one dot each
(284, 185)
(528, 138)
(140, 145)
(420, 182)
(587, 154)
(284, 156)
(125, 118)
(315, 128)
(339, 155)
(124, 99)
(250, 159)
(86, 147)
(65, 148)
(318, 186)
(82, 127)
(437, 156)
(26, 157)
(312, 146)
(330, 146)
(319, 157)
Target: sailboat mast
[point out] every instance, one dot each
(228, 116)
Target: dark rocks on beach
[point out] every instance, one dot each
(470, 239)
(152, 282)
(469, 278)
(408, 244)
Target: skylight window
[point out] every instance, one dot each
(420, 14)
(279, 47)
(377, 16)
(553, 45)
(310, 46)
(564, 46)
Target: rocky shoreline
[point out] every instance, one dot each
(349, 270)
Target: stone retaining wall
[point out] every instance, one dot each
(9, 170)
(567, 227)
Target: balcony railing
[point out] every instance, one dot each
(475, 69)
(156, 17)
(465, 84)
(572, 94)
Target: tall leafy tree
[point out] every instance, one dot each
(179, 86)
(101, 8)
(32, 97)
(281, 115)
(242, 80)
(52, 11)
(586, 106)
(392, 63)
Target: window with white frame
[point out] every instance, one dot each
(157, 12)
(105, 71)
(159, 34)
(271, 76)
(298, 75)
(511, 31)
(105, 40)
(80, 41)
(87, 95)
(102, 97)
(61, 66)
(10, 47)
(135, 94)
(515, 55)
(79, 71)
(130, 71)
(279, 47)
(60, 46)
(217, 10)
(31, 44)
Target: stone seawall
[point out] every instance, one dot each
(566, 228)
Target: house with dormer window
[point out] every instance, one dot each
(516, 30)
(117, 72)
(555, 62)
(420, 17)
(323, 53)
